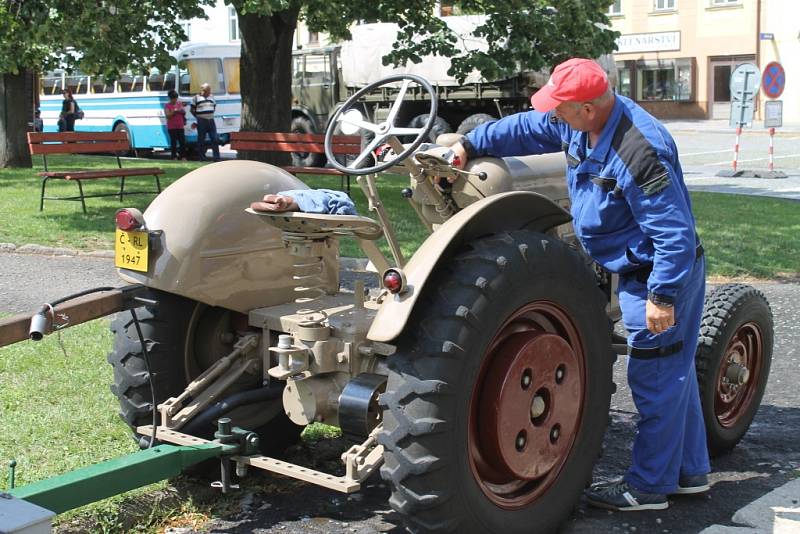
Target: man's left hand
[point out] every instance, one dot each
(659, 318)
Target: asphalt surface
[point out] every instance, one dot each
(768, 456)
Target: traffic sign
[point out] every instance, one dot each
(742, 113)
(773, 80)
(773, 113)
(744, 82)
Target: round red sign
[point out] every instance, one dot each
(773, 80)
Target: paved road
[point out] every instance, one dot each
(766, 458)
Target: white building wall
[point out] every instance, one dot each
(785, 49)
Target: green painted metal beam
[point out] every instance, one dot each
(115, 476)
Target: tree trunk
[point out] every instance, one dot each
(15, 112)
(266, 77)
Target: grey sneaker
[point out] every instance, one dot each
(618, 495)
(692, 484)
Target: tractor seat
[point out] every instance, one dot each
(311, 223)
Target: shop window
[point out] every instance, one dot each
(615, 8)
(664, 5)
(668, 79)
(624, 79)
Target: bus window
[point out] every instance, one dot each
(200, 71)
(231, 67)
(129, 83)
(79, 83)
(52, 83)
(101, 86)
(161, 82)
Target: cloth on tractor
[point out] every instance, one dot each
(322, 201)
(631, 211)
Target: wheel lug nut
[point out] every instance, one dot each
(520, 442)
(554, 433)
(559, 375)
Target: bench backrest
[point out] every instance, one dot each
(77, 142)
(294, 142)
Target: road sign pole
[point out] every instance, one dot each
(736, 146)
(771, 161)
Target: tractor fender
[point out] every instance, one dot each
(514, 210)
(204, 246)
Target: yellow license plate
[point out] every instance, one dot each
(130, 250)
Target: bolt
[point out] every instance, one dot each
(526, 379)
(520, 441)
(554, 433)
(559, 375)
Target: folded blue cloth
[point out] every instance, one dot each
(322, 201)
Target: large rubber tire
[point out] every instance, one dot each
(302, 125)
(444, 375)
(122, 127)
(166, 329)
(736, 333)
(473, 121)
(440, 126)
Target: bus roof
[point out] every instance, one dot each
(191, 50)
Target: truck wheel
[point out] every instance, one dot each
(734, 353)
(473, 121)
(183, 339)
(302, 125)
(440, 126)
(498, 395)
(122, 127)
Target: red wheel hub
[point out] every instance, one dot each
(738, 375)
(526, 405)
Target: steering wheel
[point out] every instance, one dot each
(383, 130)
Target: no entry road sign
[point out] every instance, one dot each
(773, 80)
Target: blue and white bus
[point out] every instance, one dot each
(135, 102)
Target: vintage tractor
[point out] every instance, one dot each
(477, 376)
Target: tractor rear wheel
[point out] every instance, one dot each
(734, 354)
(498, 395)
(184, 338)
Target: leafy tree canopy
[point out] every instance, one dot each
(521, 34)
(102, 36)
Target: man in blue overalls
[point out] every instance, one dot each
(632, 213)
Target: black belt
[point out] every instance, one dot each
(642, 274)
(657, 352)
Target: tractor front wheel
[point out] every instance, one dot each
(733, 358)
(498, 395)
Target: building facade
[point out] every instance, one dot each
(675, 57)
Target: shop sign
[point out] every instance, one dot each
(648, 42)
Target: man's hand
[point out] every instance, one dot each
(461, 155)
(659, 318)
(276, 203)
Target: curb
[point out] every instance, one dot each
(347, 264)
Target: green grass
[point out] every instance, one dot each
(748, 236)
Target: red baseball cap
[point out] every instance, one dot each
(575, 80)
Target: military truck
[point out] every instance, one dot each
(323, 78)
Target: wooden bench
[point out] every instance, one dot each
(87, 143)
(343, 145)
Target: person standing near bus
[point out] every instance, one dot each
(176, 120)
(66, 120)
(203, 106)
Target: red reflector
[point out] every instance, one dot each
(393, 281)
(126, 220)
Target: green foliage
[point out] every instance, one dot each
(102, 36)
(521, 35)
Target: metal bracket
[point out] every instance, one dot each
(361, 460)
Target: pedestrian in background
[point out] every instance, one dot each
(69, 108)
(632, 213)
(176, 120)
(38, 123)
(203, 107)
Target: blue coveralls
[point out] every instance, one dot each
(632, 213)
